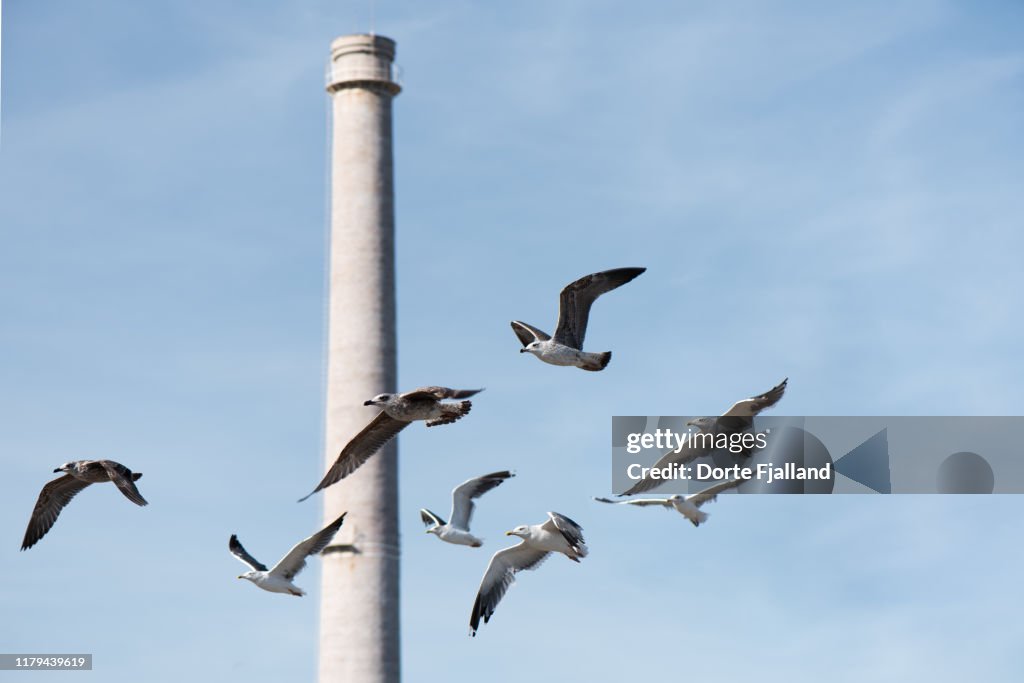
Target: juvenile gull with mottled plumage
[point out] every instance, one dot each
(59, 492)
(738, 418)
(741, 414)
(566, 347)
(399, 411)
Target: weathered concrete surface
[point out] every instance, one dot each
(359, 609)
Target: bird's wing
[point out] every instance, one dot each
(528, 333)
(749, 407)
(711, 492)
(500, 574)
(690, 451)
(381, 429)
(570, 530)
(640, 502)
(430, 519)
(464, 493)
(292, 563)
(52, 499)
(577, 297)
(439, 393)
(123, 478)
(235, 546)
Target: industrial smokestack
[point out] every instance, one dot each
(359, 610)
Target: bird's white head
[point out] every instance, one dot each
(533, 347)
(521, 531)
(378, 400)
(701, 423)
(248, 575)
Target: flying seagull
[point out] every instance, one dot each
(59, 492)
(738, 418)
(399, 410)
(687, 506)
(741, 415)
(566, 347)
(279, 579)
(558, 534)
(457, 530)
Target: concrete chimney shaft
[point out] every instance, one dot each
(359, 608)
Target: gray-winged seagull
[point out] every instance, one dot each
(59, 492)
(687, 506)
(738, 418)
(279, 579)
(566, 347)
(399, 411)
(558, 534)
(742, 413)
(457, 530)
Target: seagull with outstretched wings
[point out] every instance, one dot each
(279, 578)
(688, 506)
(566, 346)
(457, 529)
(78, 474)
(399, 411)
(739, 418)
(558, 534)
(741, 414)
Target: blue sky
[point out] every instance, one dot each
(828, 192)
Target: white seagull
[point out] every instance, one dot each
(558, 534)
(738, 418)
(279, 579)
(688, 506)
(457, 530)
(399, 411)
(566, 347)
(59, 492)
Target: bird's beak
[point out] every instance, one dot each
(427, 531)
(57, 470)
(239, 577)
(368, 403)
(691, 423)
(523, 350)
(509, 533)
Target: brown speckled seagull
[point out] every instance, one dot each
(738, 418)
(59, 492)
(399, 411)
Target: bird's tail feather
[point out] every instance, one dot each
(597, 361)
(451, 412)
(577, 551)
